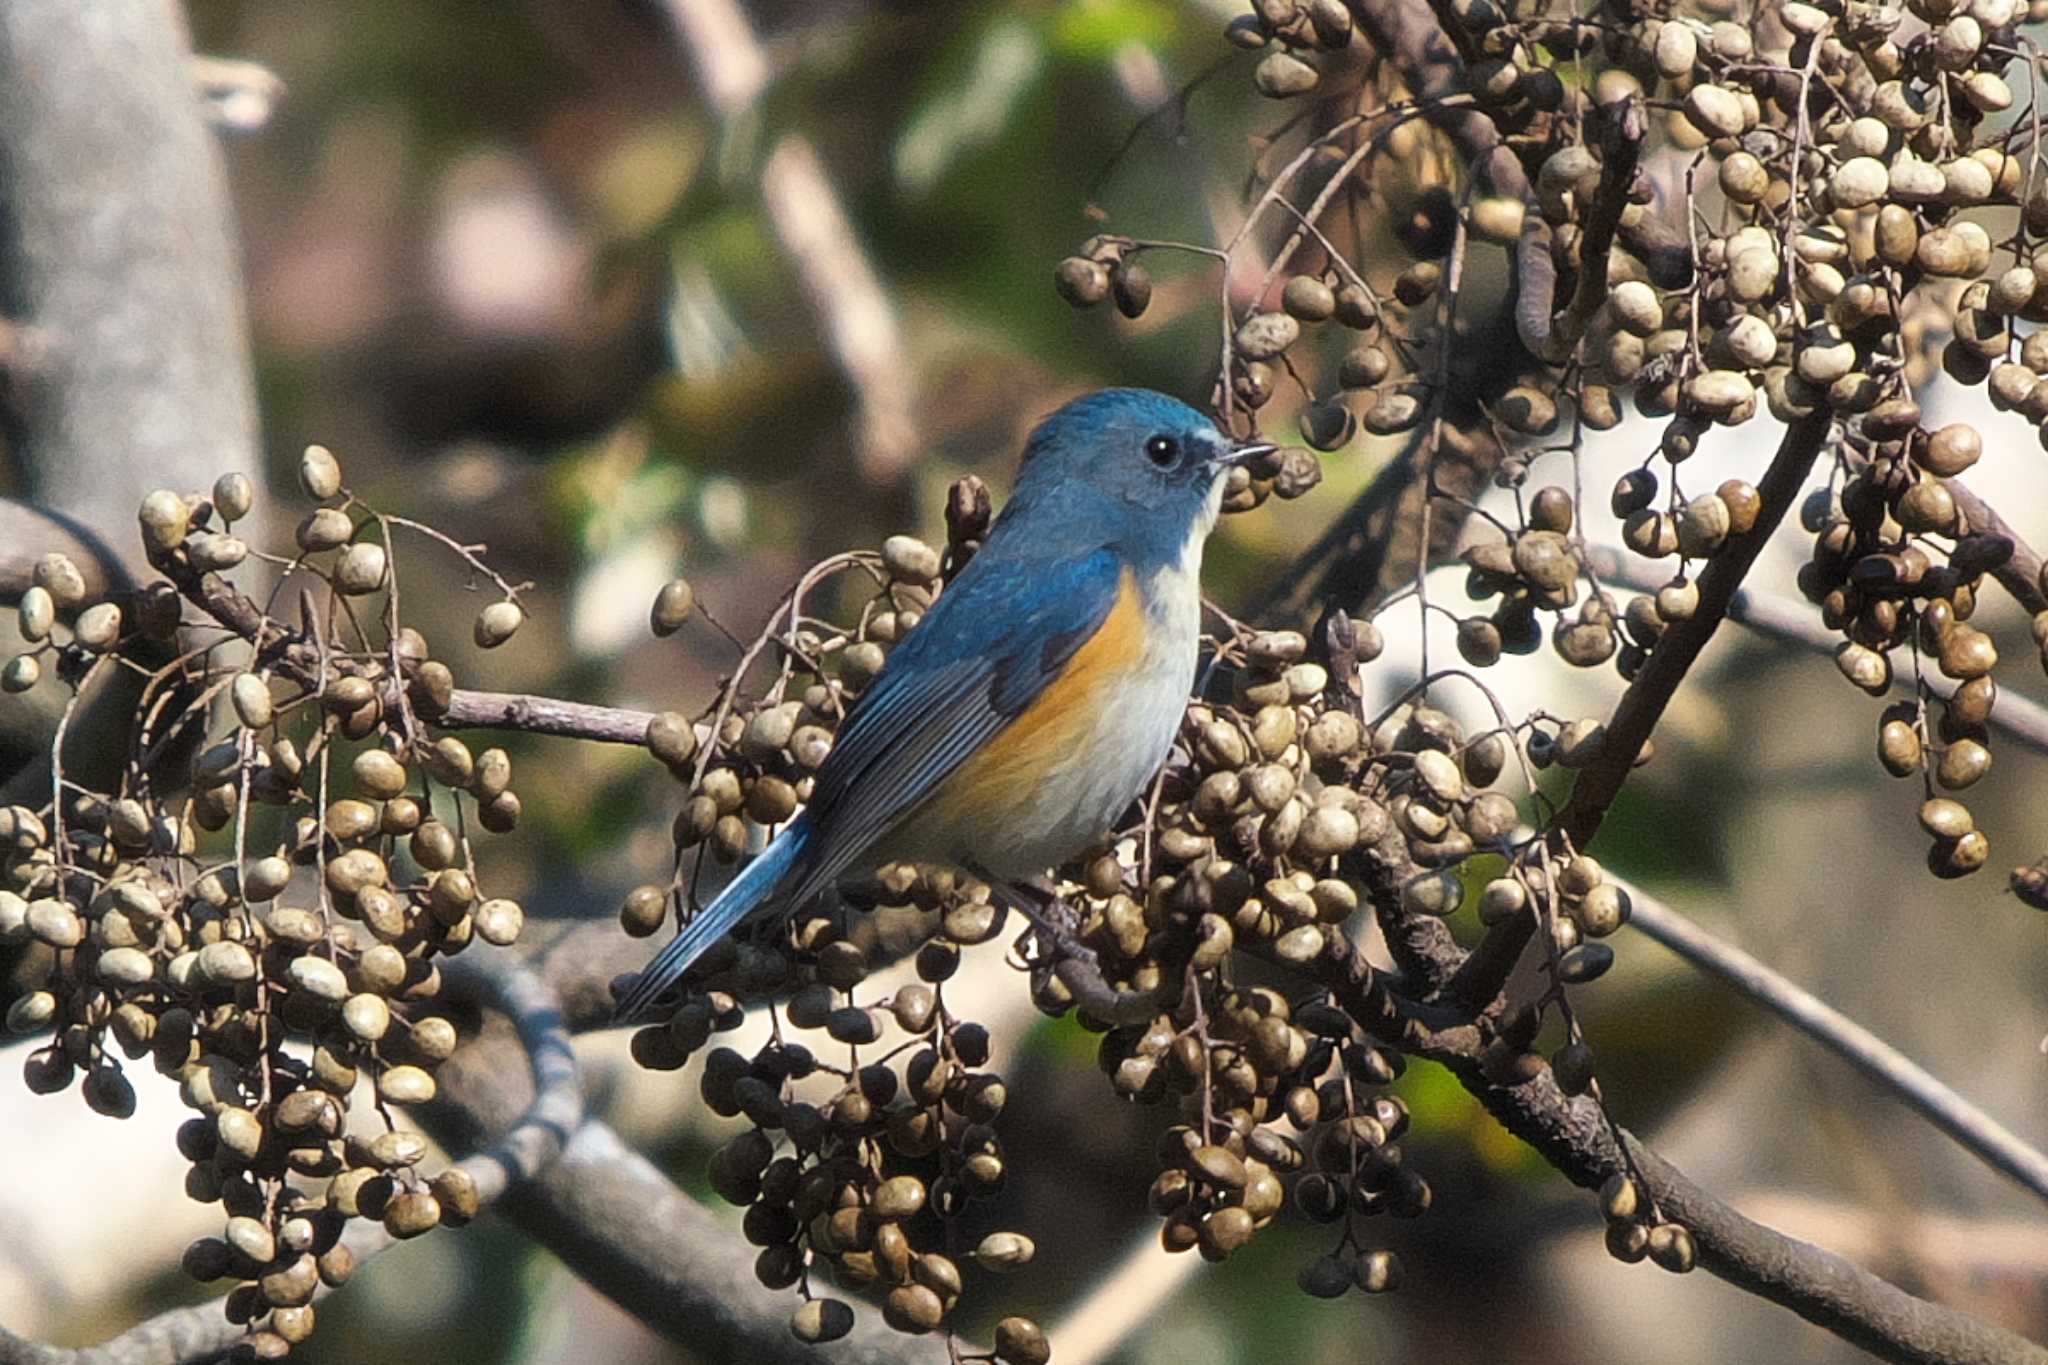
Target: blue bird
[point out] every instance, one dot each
(1039, 695)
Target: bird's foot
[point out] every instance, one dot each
(1073, 963)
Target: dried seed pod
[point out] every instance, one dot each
(98, 627)
(1962, 764)
(1898, 748)
(1633, 493)
(1653, 535)
(1858, 183)
(1417, 284)
(405, 1085)
(1309, 299)
(1326, 1277)
(1671, 1246)
(1744, 504)
(1020, 1341)
(1951, 450)
(1714, 111)
(1636, 308)
(1326, 426)
(1529, 410)
(1266, 335)
(409, 1213)
(1703, 525)
(1130, 284)
(319, 473)
(913, 1309)
(1081, 282)
(1282, 75)
(1865, 667)
(909, 559)
(1967, 653)
(59, 577)
(497, 623)
(164, 518)
(361, 569)
(1743, 178)
(1377, 1272)
(233, 496)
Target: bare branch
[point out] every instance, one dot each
(536, 715)
(1624, 125)
(1642, 705)
(531, 1139)
(620, 1223)
(2021, 574)
(1577, 1138)
(729, 63)
(1986, 1138)
(1827, 1290)
(624, 1227)
(848, 298)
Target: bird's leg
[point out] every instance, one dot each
(1074, 963)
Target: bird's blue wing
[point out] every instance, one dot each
(984, 652)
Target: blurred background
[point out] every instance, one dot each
(632, 288)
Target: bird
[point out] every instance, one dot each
(1035, 700)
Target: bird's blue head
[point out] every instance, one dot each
(1148, 465)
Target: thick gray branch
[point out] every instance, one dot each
(530, 1140)
(623, 1225)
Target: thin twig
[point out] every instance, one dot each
(1624, 130)
(535, 715)
(804, 209)
(847, 296)
(1987, 1139)
(1578, 1140)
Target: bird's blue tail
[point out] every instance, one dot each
(742, 896)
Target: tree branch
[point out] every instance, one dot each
(1576, 1137)
(1779, 617)
(1827, 1290)
(617, 1221)
(1642, 705)
(530, 1140)
(803, 208)
(536, 715)
(1623, 125)
(1983, 1136)
(2019, 575)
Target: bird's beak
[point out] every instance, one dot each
(1243, 454)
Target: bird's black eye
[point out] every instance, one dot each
(1162, 450)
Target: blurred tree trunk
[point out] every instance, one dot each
(127, 366)
(117, 255)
